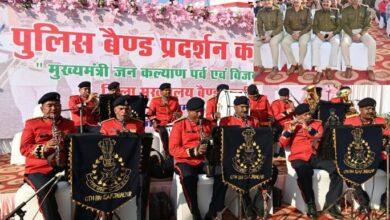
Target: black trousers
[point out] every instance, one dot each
(362, 196)
(189, 180)
(47, 198)
(305, 172)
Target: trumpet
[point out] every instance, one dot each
(311, 97)
(344, 95)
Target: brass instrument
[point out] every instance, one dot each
(311, 97)
(96, 108)
(344, 95)
(208, 154)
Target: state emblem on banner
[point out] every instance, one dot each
(109, 173)
(246, 158)
(104, 171)
(358, 151)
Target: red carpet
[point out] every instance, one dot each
(382, 68)
(11, 178)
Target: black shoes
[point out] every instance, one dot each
(312, 211)
(365, 209)
(334, 212)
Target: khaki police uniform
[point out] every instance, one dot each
(357, 21)
(326, 22)
(301, 21)
(269, 23)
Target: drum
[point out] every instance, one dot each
(225, 102)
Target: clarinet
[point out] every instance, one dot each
(57, 147)
(208, 155)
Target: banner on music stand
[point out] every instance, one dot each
(358, 152)
(138, 104)
(246, 157)
(104, 171)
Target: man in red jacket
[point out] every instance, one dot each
(123, 121)
(302, 135)
(241, 118)
(39, 140)
(188, 150)
(86, 102)
(368, 116)
(283, 108)
(164, 109)
(211, 106)
(259, 106)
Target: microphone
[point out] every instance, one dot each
(60, 174)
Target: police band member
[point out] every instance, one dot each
(368, 116)
(121, 124)
(269, 30)
(211, 106)
(302, 135)
(40, 138)
(242, 119)
(87, 102)
(326, 27)
(343, 97)
(164, 109)
(188, 151)
(122, 121)
(259, 106)
(114, 88)
(356, 21)
(283, 108)
(297, 22)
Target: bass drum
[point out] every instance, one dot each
(225, 102)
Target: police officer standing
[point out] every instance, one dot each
(269, 30)
(326, 27)
(297, 22)
(356, 21)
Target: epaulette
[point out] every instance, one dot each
(351, 116)
(177, 120)
(317, 120)
(156, 97)
(174, 97)
(379, 116)
(107, 120)
(33, 118)
(74, 96)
